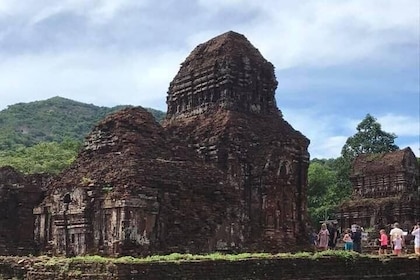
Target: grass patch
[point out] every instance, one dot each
(178, 257)
(90, 259)
(341, 254)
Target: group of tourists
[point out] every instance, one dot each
(397, 240)
(329, 235)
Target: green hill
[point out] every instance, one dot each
(51, 120)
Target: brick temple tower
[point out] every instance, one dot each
(222, 104)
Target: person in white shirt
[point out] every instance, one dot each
(394, 233)
(416, 234)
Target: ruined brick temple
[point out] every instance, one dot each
(385, 190)
(19, 194)
(221, 103)
(223, 172)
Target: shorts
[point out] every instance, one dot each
(348, 246)
(384, 247)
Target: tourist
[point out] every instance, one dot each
(396, 231)
(348, 242)
(323, 237)
(398, 245)
(313, 239)
(383, 245)
(357, 239)
(333, 235)
(416, 234)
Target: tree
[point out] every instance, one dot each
(329, 180)
(322, 182)
(370, 138)
(44, 157)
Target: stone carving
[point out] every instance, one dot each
(224, 172)
(385, 190)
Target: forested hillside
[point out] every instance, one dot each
(45, 136)
(54, 119)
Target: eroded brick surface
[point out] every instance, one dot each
(385, 190)
(18, 195)
(131, 191)
(224, 172)
(222, 104)
(406, 268)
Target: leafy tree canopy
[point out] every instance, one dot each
(44, 157)
(370, 138)
(326, 188)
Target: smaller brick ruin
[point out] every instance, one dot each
(131, 192)
(385, 190)
(19, 194)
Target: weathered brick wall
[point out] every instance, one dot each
(222, 103)
(323, 268)
(19, 193)
(385, 190)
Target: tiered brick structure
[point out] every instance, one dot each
(226, 72)
(385, 190)
(18, 195)
(222, 103)
(225, 172)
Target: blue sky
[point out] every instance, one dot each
(335, 61)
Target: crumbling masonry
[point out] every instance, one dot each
(385, 190)
(224, 172)
(19, 194)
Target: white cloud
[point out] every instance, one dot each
(400, 125)
(106, 79)
(324, 33)
(105, 10)
(289, 33)
(324, 131)
(217, 4)
(328, 147)
(407, 129)
(328, 133)
(5, 7)
(45, 13)
(97, 11)
(415, 147)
